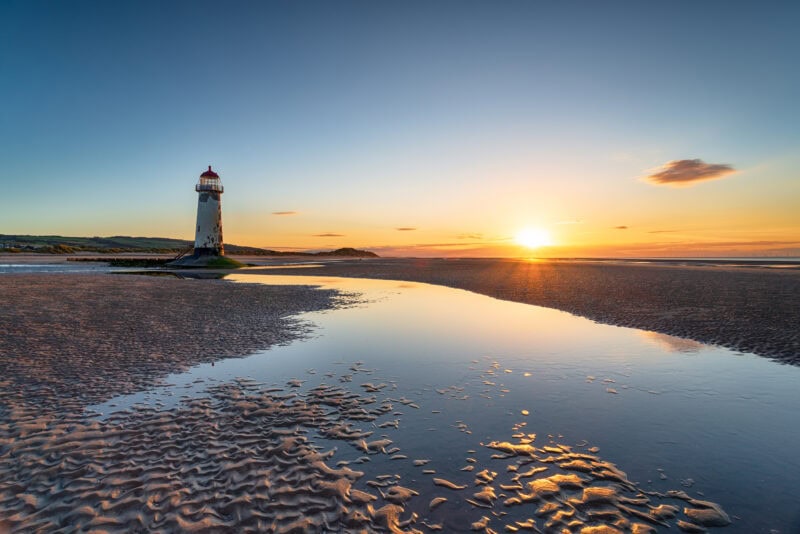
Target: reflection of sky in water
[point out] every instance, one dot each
(672, 343)
(727, 421)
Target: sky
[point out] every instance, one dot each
(631, 129)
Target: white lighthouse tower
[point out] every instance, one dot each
(208, 234)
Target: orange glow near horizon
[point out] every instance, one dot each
(533, 238)
(570, 242)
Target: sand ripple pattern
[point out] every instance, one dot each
(567, 491)
(244, 457)
(237, 460)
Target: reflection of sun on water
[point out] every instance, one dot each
(533, 238)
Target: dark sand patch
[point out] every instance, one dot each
(746, 309)
(80, 339)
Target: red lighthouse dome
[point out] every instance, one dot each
(209, 173)
(209, 181)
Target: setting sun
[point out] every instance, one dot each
(533, 238)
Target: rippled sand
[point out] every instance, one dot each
(249, 457)
(238, 459)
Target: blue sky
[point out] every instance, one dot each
(453, 118)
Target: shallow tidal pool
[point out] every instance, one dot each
(511, 400)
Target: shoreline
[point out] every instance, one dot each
(737, 305)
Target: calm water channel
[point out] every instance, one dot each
(673, 414)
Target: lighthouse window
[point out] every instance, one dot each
(198, 227)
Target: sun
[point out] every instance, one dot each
(533, 238)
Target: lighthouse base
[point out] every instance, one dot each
(208, 251)
(204, 261)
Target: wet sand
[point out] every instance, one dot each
(247, 457)
(244, 458)
(746, 309)
(78, 339)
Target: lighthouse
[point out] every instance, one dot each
(208, 233)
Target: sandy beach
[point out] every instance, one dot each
(74, 339)
(746, 309)
(242, 456)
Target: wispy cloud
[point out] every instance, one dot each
(328, 235)
(686, 172)
(483, 238)
(662, 231)
(425, 246)
(405, 229)
(724, 244)
(620, 228)
(443, 250)
(284, 213)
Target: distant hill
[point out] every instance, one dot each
(349, 252)
(54, 244)
(252, 251)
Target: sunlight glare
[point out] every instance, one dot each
(533, 238)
